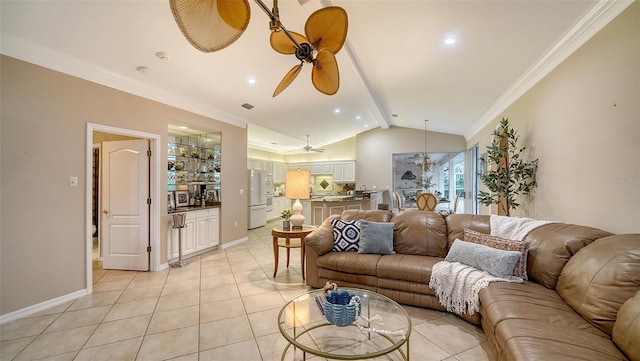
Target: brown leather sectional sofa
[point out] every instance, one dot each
(582, 299)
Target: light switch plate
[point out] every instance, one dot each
(73, 181)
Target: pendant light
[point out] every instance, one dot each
(426, 163)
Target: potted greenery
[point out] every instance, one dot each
(508, 175)
(286, 215)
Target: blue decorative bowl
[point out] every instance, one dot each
(339, 308)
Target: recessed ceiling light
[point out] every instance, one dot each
(142, 69)
(358, 117)
(251, 80)
(450, 40)
(366, 125)
(336, 110)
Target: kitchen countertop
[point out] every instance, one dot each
(338, 199)
(192, 208)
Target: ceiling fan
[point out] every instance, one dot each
(308, 148)
(211, 25)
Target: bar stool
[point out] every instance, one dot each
(179, 224)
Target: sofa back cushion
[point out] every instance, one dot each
(419, 233)
(626, 330)
(552, 245)
(322, 238)
(457, 223)
(601, 277)
(372, 216)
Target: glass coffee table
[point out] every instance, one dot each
(384, 327)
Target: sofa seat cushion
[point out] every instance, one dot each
(626, 330)
(406, 286)
(349, 262)
(343, 279)
(532, 339)
(503, 301)
(601, 277)
(405, 267)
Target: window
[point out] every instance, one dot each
(445, 178)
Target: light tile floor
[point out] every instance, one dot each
(223, 306)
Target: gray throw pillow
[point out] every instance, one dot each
(376, 237)
(495, 261)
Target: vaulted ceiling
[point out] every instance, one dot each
(395, 68)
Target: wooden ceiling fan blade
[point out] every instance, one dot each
(282, 44)
(327, 28)
(288, 79)
(211, 25)
(325, 75)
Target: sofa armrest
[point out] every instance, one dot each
(321, 239)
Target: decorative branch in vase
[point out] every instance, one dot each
(508, 175)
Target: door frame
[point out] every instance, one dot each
(154, 191)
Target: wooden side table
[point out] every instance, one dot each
(288, 235)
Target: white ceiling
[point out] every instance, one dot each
(394, 61)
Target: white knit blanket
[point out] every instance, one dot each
(514, 228)
(458, 285)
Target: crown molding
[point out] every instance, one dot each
(594, 19)
(39, 55)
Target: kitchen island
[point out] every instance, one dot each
(320, 208)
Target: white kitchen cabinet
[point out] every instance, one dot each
(207, 228)
(279, 205)
(300, 166)
(316, 169)
(268, 167)
(279, 172)
(338, 172)
(349, 171)
(202, 231)
(344, 171)
(321, 168)
(375, 199)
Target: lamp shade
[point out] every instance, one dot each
(297, 184)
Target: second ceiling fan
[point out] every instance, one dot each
(308, 148)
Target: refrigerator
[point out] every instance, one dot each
(257, 199)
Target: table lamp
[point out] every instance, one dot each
(297, 187)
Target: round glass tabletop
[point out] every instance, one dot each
(382, 327)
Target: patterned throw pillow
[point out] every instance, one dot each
(346, 235)
(504, 244)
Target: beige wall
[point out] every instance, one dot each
(375, 148)
(583, 122)
(44, 118)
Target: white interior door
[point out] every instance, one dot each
(125, 212)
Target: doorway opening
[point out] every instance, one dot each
(154, 194)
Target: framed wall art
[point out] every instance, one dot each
(182, 198)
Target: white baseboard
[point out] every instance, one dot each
(32, 310)
(237, 242)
